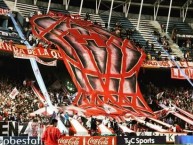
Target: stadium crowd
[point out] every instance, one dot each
(172, 96)
(26, 102)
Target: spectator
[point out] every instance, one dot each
(66, 119)
(147, 44)
(159, 56)
(174, 35)
(87, 16)
(93, 124)
(51, 134)
(152, 47)
(148, 56)
(53, 115)
(186, 55)
(188, 44)
(163, 28)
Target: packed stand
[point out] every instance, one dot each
(172, 96)
(26, 102)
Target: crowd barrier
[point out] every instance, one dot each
(96, 140)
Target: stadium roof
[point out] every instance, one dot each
(163, 3)
(179, 7)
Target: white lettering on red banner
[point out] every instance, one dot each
(98, 141)
(37, 51)
(87, 140)
(51, 53)
(70, 141)
(179, 74)
(166, 64)
(25, 56)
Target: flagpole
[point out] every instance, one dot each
(38, 75)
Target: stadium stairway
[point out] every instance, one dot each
(175, 48)
(25, 9)
(22, 8)
(146, 29)
(182, 27)
(145, 32)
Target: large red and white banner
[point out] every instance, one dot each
(25, 56)
(179, 74)
(102, 66)
(37, 51)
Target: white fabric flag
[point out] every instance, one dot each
(14, 93)
(159, 95)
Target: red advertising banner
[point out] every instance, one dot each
(37, 51)
(87, 140)
(166, 64)
(100, 140)
(71, 140)
(177, 74)
(55, 54)
(24, 56)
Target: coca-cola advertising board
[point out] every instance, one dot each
(71, 140)
(100, 140)
(87, 140)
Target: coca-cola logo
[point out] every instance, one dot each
(69, 141)
(98, 141)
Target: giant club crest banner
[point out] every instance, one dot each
(103, 67)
